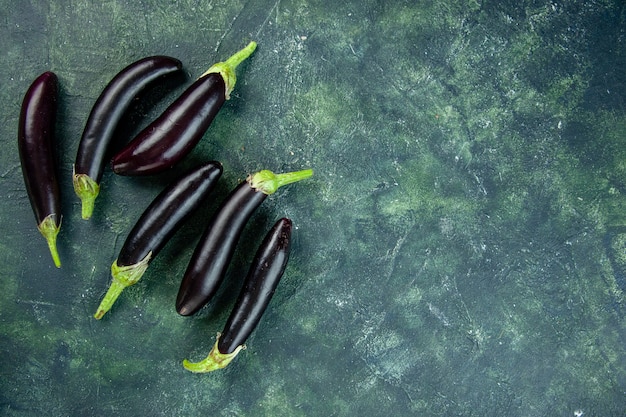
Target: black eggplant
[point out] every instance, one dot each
(155, 227)
(210, 259)
(178, 130)
(104, 118)
(37, 155)
(258, 288)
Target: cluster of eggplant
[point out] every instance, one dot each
(158, 147)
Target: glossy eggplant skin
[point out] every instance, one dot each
(36, 132)
(163, 217)
(168, 212)
(176, 132)
(110, 107)
(210, 259)
(104, 118)
(265, 272)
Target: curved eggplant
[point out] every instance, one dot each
(104, 118)
(258, 288)
(210, 259)
(171, 136)
(163, 217)
(37, 156)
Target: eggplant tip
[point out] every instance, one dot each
(183, 308)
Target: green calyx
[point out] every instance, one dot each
(216, 360)
(227, 68)
(49, 228)
(268, 182)
(87, 190)
(123, 276)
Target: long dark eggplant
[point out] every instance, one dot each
(210, 259)
(258, 288)
(37, 155)
(163, 217)
(104, 118)
(178, 130)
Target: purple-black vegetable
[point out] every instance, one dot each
(105, 115)
(258, 288)
(210, 259)
(178, 130)
(163, 217)
(37, 155)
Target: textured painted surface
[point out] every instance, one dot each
(461, 249)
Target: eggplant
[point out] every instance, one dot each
(36, 135)
(104, 118)
(209, 261)
(265, 272)
(171, 136)
(163, 217)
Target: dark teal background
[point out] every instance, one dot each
(460, 251)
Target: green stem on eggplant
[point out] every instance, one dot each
(123, 276)
(227, 68)
(49, 229)
(87, 190)
(268, 182)
(216, 360)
